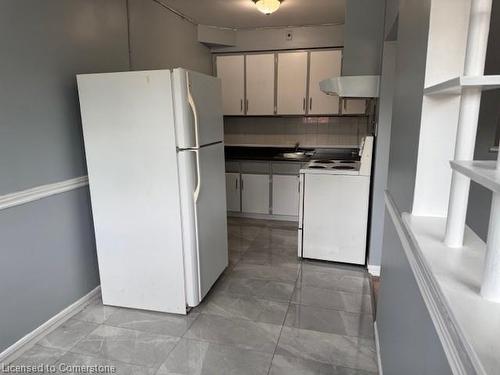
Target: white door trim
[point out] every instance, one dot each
(39, 192)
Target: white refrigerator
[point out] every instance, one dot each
(155, 159)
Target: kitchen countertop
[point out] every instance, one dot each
(276, 153)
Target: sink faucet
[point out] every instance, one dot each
(297, 145)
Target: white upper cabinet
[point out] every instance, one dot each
(231, 71)
(353, 106)
(292, 83)
(260, 84)
(323, 64)
(255, 85)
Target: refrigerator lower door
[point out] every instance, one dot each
(203, 205)
(198, 108)
(131, 161)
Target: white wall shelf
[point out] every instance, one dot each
(455, 85)
(484, 172)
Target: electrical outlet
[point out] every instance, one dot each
(289, 35)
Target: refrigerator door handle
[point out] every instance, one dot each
(196, 192)
(192, 104)
(198, 177)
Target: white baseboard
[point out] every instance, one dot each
(374, 270)
(19, 347)
(377, 344)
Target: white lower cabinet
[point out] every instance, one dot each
(285, 195)
(233, 196)
(255, 193)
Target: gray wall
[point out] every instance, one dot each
(48, 258)
(381, 152)
(362, 55)
(47, 262)
(44, 44)
(408, 340)
(364, 37)
(409, 344)
(160, 39)
(391, 17)
(489, 121)
(268, 39)
(407, 106)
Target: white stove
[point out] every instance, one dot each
(333, 211)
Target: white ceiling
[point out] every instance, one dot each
(244, 14)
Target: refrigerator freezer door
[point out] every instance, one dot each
(198, 109)
(204, 218)
(132, 167)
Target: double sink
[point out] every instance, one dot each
(297, 155)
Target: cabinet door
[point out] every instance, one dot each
(323, 64)
(353, 106)
(233, 197)
(260, 84)
(255, 193)
(231, 71)
(285, 195)
(292, 83)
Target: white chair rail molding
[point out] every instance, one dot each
(43, 191)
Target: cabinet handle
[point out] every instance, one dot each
(236, 184)
(304, 104)
(247, 106)
(310, 104)
(241, 105)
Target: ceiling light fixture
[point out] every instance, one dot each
(267, 6)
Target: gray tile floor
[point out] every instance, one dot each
(268, 314)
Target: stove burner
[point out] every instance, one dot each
(317, 167)
(344, 167)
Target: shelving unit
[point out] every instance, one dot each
(468, 88)
(455, 86)
(470, 101)
(484, 172)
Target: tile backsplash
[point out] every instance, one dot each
(286, 131)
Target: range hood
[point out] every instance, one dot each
(352, 86)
